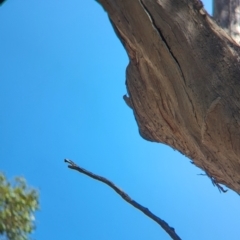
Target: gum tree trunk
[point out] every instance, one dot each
(227, 14)
(183, 80)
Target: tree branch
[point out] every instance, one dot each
(171, 231)
(183, 80)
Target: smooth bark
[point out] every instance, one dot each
(227, 14)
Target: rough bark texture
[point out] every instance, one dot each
(183, 81)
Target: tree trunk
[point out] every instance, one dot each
(227, 14)
(183, 81)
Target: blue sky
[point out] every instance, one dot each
(62, 81)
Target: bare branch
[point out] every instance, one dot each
(171, 231)
(214, 182)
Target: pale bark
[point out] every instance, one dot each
(183, 81)
(227, 14)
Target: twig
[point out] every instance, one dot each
(215, 183)
(161, 222)
(213, 180)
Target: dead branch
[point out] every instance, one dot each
(171, 231)
(183, 79)
(214, 182)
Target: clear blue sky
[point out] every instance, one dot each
(62, 81)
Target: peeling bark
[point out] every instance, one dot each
(183, 81)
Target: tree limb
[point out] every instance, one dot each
(183, 80)
(171, 231)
